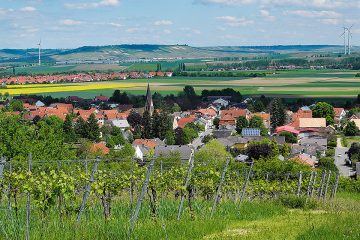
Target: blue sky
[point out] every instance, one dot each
(74, 23)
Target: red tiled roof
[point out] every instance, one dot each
(100, 147)
(146, 142)
(183, 121)
(338, 111)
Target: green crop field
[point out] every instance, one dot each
(311, 83)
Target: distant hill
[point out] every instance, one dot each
(148, 51)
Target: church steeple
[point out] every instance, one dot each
(149, 105)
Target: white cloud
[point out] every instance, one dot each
(266, 14)
(28, 9)
(70, 22)
(314, 14)
(163, 22)
(116, 24)
(103, 3)
(234, 21)
(305, 3)
(190, 30)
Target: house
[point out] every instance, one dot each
(321, 142)
(183, 121)
(241, 143)
(220, 103)
(185, 152)
(149, 143)
(141, 152)
(250, 132)
(120, 123)
(229, 117)
(265, 117)
(207, 123)
(305, 159)
(356, 121)
(339, 115)
(39, 104)
(224, 133)
(312, 123)
(290, 129)
(304, 112)
(99, 148)
(101, 99)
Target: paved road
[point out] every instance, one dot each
(198, 141)
(340, 157)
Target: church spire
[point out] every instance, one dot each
(149, 105)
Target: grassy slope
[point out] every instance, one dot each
(253, 220)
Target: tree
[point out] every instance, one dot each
(257, 122)
(327, 163)
(351, 129)
(277, 113)
(161, 124)
(241, 123)
(147, 132)
(289, 137)
(134, 119)
(265, 149)
(216, 122)
(175, 108)
(81, 127)
(258, 106)
(189, 135)
(16, 105)
(324, 110)
(170, 138)
(93, 130)
(69, 131)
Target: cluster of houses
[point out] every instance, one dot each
(81, 77)
(312, 133)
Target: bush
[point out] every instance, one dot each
(293, 201)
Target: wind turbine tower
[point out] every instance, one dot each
(344, 35)
(39, 44)
(349, 39)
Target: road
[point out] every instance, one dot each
(340, 157)
(198, 141)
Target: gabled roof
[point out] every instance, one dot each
(312, 122)
(287, 129)
(150, 143)
(185, 151)
(183, 121)
(338, 112)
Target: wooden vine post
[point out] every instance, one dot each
(28, 201)
(87, 190)
(219, 187)
(246, 182)
(187, 180)
(299, 184)
(142, 194)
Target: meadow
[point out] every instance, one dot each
(309, 83)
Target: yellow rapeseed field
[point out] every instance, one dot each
(51, 88)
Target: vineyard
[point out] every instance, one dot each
(131, 193)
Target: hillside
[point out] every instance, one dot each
(128, 52)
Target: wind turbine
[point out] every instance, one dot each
(344, 35)
(349, 39)
(39, 44)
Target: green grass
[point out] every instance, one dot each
(252, 220)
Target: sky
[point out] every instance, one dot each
(75, 23)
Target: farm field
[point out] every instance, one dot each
(309, 83)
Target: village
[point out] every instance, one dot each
(304, 137)
(79, 77)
